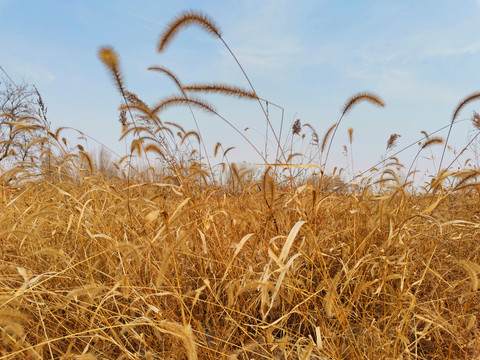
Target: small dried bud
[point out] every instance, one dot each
(476, 120)
(391, 142)
(123, 118)
(297, 127)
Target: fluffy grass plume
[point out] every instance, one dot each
(184, 20)
(222, 89)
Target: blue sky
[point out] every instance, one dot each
(420, 57)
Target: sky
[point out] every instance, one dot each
(420, 57)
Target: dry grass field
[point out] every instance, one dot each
(176, 265)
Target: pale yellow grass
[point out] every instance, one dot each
(90, 272)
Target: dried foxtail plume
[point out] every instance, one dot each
(464, 102)
(190, 133)
(429, 142)
(179, 127)
(460, 106)
(432, 141)
(326, 136)
(349, 104)
(291, 157)
(371, 98)
(136, 146)
(226, 151)
(175, 100)
(268, 187)
(86, 158)
(109, 58)
(168, 73)
(184, 20)
(222, 89)
(392, 140)
(216, 149)
(155, 149)
(350, 135)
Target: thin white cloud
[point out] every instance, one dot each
(471, 48)
(269, 36)
(455, 40)
(405, 86)
(149, 20)
(274, 54)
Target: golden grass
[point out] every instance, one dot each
(204, 275)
